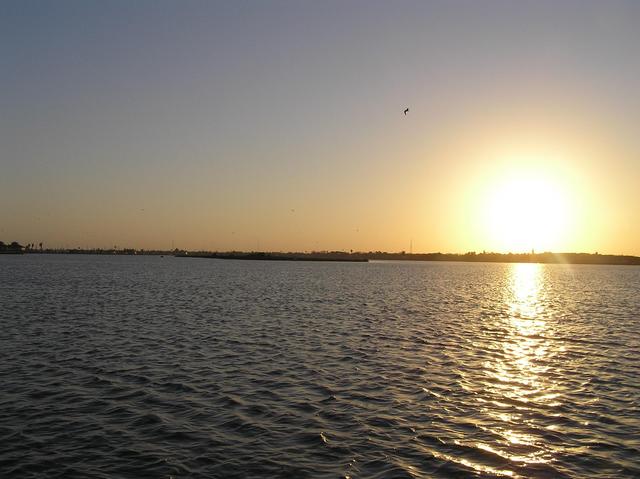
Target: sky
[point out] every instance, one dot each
(273, 125)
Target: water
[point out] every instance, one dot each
(165, 367)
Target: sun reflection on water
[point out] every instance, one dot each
(523, 344)
(517, 383)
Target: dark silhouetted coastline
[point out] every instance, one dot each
(472, 257)
(12, 248)
(355, 256)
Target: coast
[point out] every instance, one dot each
(358, 257)
(277, 257)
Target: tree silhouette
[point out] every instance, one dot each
(15, 246)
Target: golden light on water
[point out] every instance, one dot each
(515, 394)
(524, 291)
(525, 345)
(517, 375)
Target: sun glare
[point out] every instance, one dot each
(525, 212)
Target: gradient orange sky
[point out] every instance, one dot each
(279, 126)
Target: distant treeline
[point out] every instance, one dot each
(13, 247)
(547, 257)
(32, 248)
(104, 251)
(570, 258)
(484, 257)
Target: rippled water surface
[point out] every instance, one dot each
(167, 367)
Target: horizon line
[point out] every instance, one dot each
(31, 248)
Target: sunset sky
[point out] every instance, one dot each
(279, 125)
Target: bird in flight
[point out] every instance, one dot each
(406, 111)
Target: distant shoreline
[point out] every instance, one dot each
(542, 258)
(275, 257)
(336, 256)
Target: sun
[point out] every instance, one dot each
(526, 211)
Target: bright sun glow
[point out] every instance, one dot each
(525, 211)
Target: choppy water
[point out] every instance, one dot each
(165, 367)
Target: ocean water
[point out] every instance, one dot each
(154, 367)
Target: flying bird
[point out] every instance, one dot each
(406, 111)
